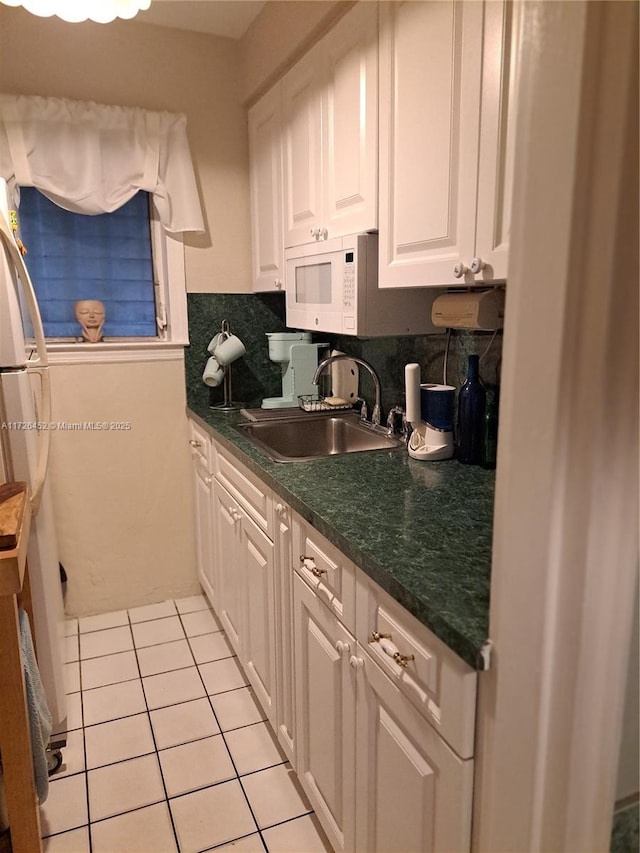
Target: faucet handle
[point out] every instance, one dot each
(364, 412)
(391, 421)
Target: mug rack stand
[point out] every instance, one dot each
(227, 404)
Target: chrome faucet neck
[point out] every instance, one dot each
(376, 414)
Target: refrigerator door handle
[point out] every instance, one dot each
(44, 435)
(39, 365)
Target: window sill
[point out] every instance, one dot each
(114, 352)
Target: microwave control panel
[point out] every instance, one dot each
(349, 280)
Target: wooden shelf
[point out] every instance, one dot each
(15, 739)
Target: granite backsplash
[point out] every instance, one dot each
(254, 377)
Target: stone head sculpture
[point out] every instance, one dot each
(90, 313)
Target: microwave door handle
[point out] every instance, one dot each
(39, 366)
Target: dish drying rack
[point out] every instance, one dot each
(314, 403)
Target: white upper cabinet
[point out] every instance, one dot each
(265, 147)
(430, 63)
(497, 135)
(446, 81)
(329, 103)
(302, 141)
(350, 123)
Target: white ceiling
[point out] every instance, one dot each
(218, 17)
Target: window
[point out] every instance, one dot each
(124, 258)
(106, 257)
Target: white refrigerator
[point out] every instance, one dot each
(25, 418)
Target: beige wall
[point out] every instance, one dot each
(133, 64)
(123, 499)
(281, 33)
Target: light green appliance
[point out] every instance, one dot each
(298, 359)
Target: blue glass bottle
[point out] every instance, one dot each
(472, 400)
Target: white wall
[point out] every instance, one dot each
(281, 33)
(123, 497)
(123, 502)
(133, 64)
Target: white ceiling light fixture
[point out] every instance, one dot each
(74, 11)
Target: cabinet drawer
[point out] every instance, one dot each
(250, 491)
(200, 445)
(434, 679)
(326, 570)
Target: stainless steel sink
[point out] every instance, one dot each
(310, 436)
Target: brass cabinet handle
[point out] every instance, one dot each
(195, 443)
(315, 571)
(390, 648)
(402, 660)
(376, 636)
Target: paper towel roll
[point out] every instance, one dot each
(412, 389)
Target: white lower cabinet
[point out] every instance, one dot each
(285, 700)
(246, 606)
(259, 647)
(228, 558)
(413, 793)
(410, 791)
(325, 686)
(203, 498)
(374, 712)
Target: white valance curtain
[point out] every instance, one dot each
(91, 158)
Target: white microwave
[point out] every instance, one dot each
(332, 286)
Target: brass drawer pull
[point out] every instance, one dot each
(390, 648)
(308, 564)
(402, 660)
(376, 636)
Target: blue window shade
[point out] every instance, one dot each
(107, 257)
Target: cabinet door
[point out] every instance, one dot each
(285, 705)
(430, 74)
(227, 526)
(325, 715)
(258, 640)
(265, 150)
(350, 123)
(497, 134)
(301, 110)
(413, 792)
(204, 533)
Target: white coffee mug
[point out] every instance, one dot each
(215, 340)
(229, 350)
(213, 373)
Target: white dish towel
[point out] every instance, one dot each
(40, 720)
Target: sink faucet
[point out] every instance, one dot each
(375, 417)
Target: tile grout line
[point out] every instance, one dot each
(233, 763)
(84, 747)
(157, 751)
(153, 735)
(71, 775)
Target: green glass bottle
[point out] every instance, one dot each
(490, 435)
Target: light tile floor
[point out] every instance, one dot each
(168, 751)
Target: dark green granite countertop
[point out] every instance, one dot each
(421, 530)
